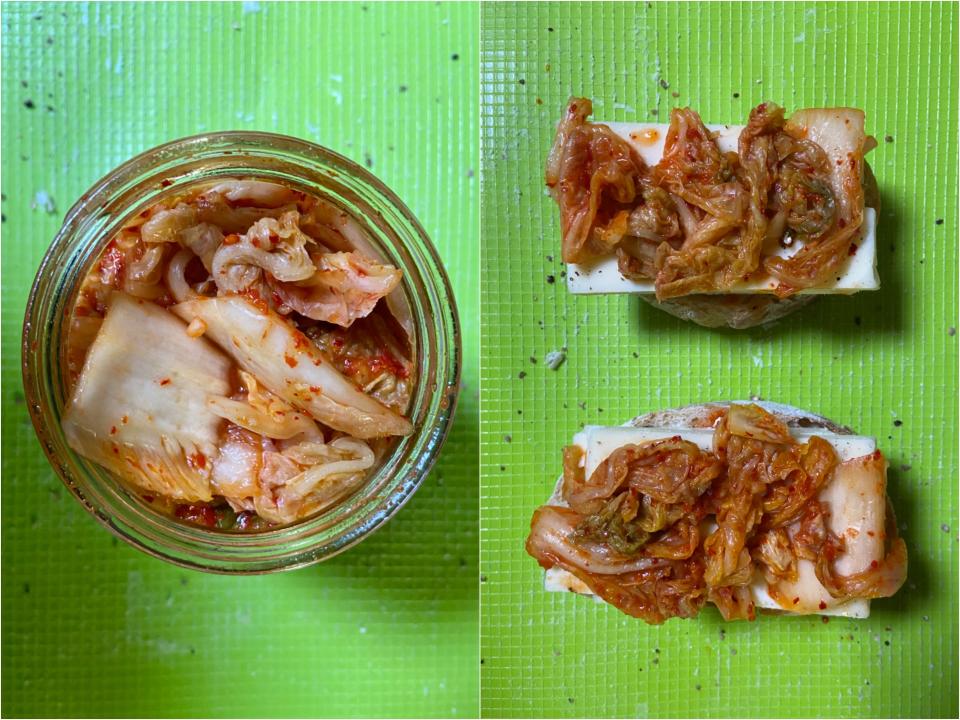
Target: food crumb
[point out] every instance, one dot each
(43, 201)
(675, 94)
(945, 528)
(522, 374)
(905, 467)
(951, 331)
(507, 438)
(533, 360)
(888, 138)
(664, 84)
(551, 279)
(555, 359)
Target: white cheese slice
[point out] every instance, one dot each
(850, 494)
(603, 277)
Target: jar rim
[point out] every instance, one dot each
(396, 233)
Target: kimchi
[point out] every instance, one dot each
(240, 356)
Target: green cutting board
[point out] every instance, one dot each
(93, 627)
(872, 361)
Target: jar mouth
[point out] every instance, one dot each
(394, 233)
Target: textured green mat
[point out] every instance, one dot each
(91, 627)
(867, 360)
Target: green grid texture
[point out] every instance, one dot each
(865, 360)
(91, 626)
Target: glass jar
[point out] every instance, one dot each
(393, 230)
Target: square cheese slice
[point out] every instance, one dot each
(603, 276)
(850, 497)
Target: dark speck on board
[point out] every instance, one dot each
(551, 279)
(939, 221)
(507, 438)
(888, 138)
(736, 95)
(49, 41)
(522, 81)
(28, 104)
(367, 160)
(898, 423)
(403, 88)
(26, 588)
(664, 84)
(857, 320)
(521, 374)
(951, 331)
(23, 83)
(549, 29)
(455, 57)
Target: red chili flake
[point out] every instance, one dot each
(165, 381)
(277, 300)
(290, 360)
(166, 183)
(148, 498)
(823, 605)
(871, 533)
(255, 242)
(314, 388)
(300, 341)
(231, 239)
(338, 342)
(853, 164)
(796, 601)
(113, 430)
(253, 296)
(199, 513)
(853, 249)
(197, 460)
(116, 450)
(274, 239)
(824, 619)
(842, 223)
(145, 213)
